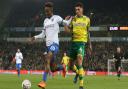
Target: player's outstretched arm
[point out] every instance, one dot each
(31, 40)
(67, 21)
(41, 35)
(67, 27)
(89, 38)
(21, 56)
(89, 41)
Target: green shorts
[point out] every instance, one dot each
(66, 67)
(77, 48)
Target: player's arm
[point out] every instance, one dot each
(122, 56)
(89, 41)
(62, 61)
(21, 56)
(41, 35)
(114, 57)
(68, 27)
(65, 22)
(68, 59)
(15, 57)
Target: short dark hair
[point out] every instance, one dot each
(49, 4)
(79, 4)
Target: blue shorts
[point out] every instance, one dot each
(18, 66)
(54, 48)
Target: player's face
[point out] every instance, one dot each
(64, 54)
(79, 11)
(18, 50)
(48, 11)
(118, 49)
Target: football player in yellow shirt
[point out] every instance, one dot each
(65, 62)
(79, 27)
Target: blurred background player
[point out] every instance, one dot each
(51, 30)
(118, 57)
(65, 62)
(79, 27)
(18, 58)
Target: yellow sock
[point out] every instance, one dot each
(81, 75)
(82, 83)
(75, 69)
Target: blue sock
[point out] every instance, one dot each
(45, 76)
(18, 72)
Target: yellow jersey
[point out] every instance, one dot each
(65, 60)
(80, 27)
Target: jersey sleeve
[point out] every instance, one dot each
(59, 19)
(88, 25)
(68, 59)
(41, 35)
(62, 60)
(21, 56)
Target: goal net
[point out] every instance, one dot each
(112, 70)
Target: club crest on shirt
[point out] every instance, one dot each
(52, 20)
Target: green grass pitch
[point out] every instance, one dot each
(91, 82)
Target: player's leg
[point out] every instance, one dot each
(73, 57)
(42, 84)
(118, 69)
(65, 69)
(47, 67)
(80, 70)
(51, 66)
(80, 55)
(119, 72)
(75, 68)
(51, 56)
(55, 66)
(18, 66)
(17, 69)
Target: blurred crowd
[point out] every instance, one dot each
(24, 15)
(34, 58)
(97, 19)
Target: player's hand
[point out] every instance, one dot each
(13, 61)
(67, 17)
(31, 40)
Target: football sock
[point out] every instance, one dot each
(118, 73)
(75, 69)
(18, 72)
(81, 74)
(45, 76)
